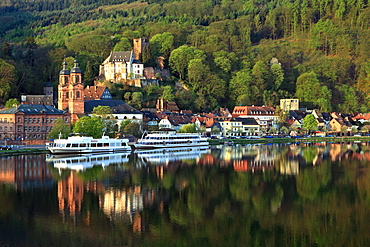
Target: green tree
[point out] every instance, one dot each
(188, 128)
(133, 128)
(11, 103)
(123, 124)
(308, 88)
(91, 126)
(350, 102)
(309, 123)
(136, 101)
(123, 45)
(240, 84)
(260, 76)
(277, 75)
(167, 93)
(8, 78)
(109, 123)
(59, 129)
(162, 44)
(102, 111)
(180, 58)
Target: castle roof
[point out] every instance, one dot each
(120, 56)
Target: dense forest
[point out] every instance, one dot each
(219, 53)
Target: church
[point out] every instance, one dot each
(79, 100)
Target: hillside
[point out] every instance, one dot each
(225, 52)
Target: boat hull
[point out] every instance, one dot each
(86, 151)
(161, 145)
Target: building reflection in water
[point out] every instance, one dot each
(25, 171)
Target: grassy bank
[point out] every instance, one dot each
(289, 140)
(22, 151)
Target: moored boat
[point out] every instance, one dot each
(86, 144)
(170, 140)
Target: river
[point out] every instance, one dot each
(301, 194)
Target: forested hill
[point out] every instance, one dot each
(224, 52)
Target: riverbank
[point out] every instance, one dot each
(290, 140)
(35, 149)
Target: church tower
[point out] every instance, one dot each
(63, 87)
(71, 90)
(76, 91)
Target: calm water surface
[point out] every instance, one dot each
(253, 195)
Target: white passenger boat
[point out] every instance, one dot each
(170, 140)
(85, 161)
(85, 144)
(166, 155)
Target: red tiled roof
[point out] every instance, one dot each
(93, 92)
(253, 110)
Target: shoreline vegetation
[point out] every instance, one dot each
(240, 141)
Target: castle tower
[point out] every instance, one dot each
(139, 45)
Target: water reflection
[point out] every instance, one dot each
(303, 194)
(85, 161)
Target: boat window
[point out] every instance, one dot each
(74, 145)
(99, 144)
(106, 144)
(82, 144)
(93, 145)
(68, 145)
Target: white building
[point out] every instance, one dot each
(264, 115)
(121, 66)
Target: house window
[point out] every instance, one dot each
(65, 80)
(78, 94)
(5, 120)
(77, 79)
(5, 129)
(67, 95)
(38, 120)
(19, 128)
(19, 120)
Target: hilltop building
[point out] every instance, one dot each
(121, 66)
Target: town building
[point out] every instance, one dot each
(239, 127)
(289, 104)
(264, 115)
(28, 121)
